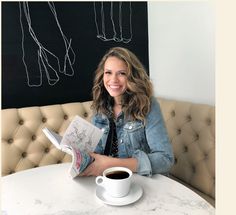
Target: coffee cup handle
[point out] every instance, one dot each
(99, 180)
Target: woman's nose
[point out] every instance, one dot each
(114, 77)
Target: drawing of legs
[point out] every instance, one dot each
(125, 22)
(50, 58)
(113, 21)
(69, 55)
(99, 20)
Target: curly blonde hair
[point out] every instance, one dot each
(136, 100)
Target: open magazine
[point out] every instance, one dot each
(79, 138)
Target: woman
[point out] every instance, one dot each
(125, 109)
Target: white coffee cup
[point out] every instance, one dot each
(116, 181)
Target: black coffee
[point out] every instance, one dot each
(117, 175)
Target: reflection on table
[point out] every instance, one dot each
(50, 190)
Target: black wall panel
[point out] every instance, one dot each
(50, 50)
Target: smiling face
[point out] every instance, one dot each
(115, 77)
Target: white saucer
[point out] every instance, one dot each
(134, 194)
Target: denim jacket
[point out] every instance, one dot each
(148, 143)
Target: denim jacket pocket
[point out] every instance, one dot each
(103, 125)
(136, 135)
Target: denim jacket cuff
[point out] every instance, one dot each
(144, 165)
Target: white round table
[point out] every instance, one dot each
(49, 190)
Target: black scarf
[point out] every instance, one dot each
(111, 147)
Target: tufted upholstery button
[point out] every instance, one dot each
(10, 141)
(189, 118)
(58, 162)
(21, 122)
(24, 154)
(196, 137)
(176, 160)
(208, 122)
(193, 169)
(172, 113)
(179, 131)
(36, 166)
(65, 117)
(44, 120)
(33, 137)
(46, 150)
(85, 114)
(206, 156)
(185, 148)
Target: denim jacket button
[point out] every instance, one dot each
(130, 127)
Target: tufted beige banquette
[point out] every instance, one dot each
(191, 128)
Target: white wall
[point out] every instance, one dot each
(181, 50)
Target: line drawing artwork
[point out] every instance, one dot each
(116, 16)
(49, 58)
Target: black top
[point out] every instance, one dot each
(112, 142)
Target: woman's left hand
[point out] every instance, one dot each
(100, 163)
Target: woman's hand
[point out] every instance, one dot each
(100, 163)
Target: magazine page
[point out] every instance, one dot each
(56, 140)
(80, 160)
(82, 137)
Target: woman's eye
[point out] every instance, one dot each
(122, 73)
(117, 74)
